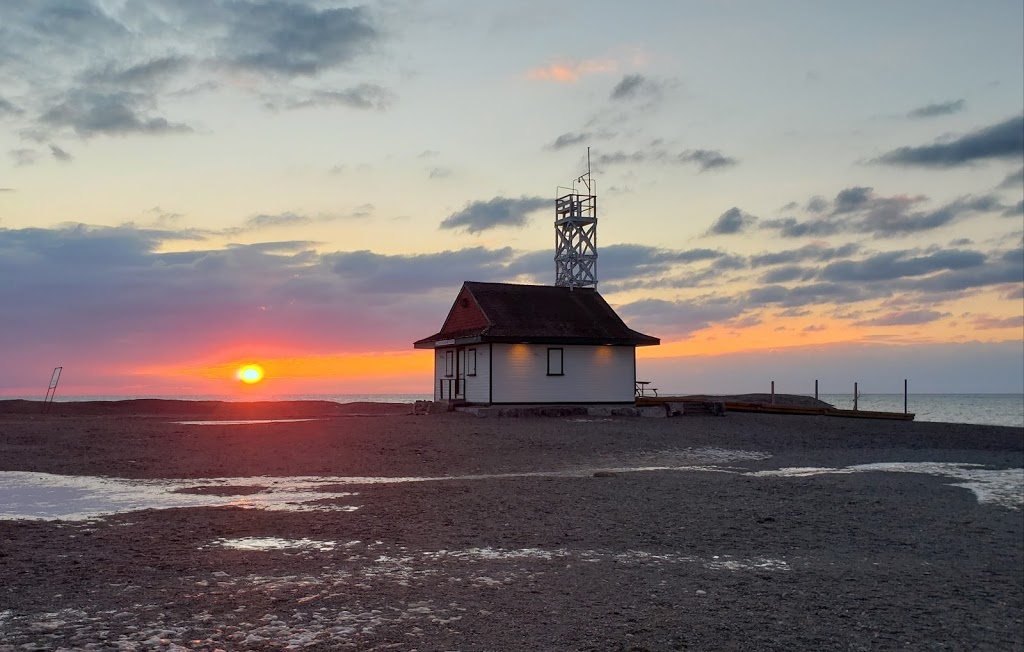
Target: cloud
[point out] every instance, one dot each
(105, 68)
(817, 204)
(813, 252)
(281, 219)
(59, 154)
(89, 113)
(810, 294)
(144, 75)
(440, 173)
(1004, 140)
(945, 368)
(369, 272)
(679, 318)
(993, 323)
(362, 96)
(569, 139)
(904, 318)
(1014, 180)
(636, 86)
(707, 159)
(567, 72)
(787, 274)
(288, 38)
(850, 199)
(1014, 211)
(24, 157)
(896, 264)
(937, 109)
(628, 87)
(622, 261)
(859, 210)
(479, 216)
(731, 221)
(7, 108)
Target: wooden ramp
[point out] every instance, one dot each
(698, 404)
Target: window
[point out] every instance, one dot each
(471, 362)
(555, 362)
(449, 363)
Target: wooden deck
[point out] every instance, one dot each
(741, 406)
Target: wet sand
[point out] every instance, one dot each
(690, 533)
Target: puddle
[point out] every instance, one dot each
(277, 543)
(238, 422)
(351, 603)
(44, 496)
(1003, 487)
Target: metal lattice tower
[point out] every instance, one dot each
(576, 235)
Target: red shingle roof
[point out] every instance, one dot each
(505, 312)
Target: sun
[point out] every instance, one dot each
(250, 374)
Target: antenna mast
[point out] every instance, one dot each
(576, 234)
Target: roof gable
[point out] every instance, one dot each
(496, 312)
(465, 314)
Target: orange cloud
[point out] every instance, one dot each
(570, 72)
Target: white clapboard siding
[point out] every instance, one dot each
(592, 374)
(439, 372)
(478, 389)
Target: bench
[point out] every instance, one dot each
(642, 388)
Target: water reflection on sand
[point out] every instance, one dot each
(44, 496)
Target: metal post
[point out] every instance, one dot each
(773, 392)
(51, 391)
(815, 389)
(855, 396)
(904, 396)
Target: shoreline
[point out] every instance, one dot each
(319, 408)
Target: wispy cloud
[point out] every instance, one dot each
(89, 113)
(570, 139)
(731, 221)
(1004, 140)
(859, 210)
(568, 72)
(636, 86)
(937, 109)
(23, 157)
(60, 155)
(97, 69)
(362, 96)
(479, 216)
(704, 159)
(904, 318)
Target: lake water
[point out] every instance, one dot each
(992, 409)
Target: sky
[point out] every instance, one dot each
(787, 191)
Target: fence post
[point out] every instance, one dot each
(815, 389)
(904, 396)
(855, 396)
(773, 392)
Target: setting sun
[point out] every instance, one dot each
(250, 374)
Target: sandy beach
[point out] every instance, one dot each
(365, 527)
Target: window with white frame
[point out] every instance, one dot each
(471, 362)
(449, 363)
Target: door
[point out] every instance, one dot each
(460, 374)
